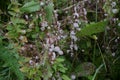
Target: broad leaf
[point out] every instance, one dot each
(31, 7)
(64, 77)
(49, 12)
(92, 28)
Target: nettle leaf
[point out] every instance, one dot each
(92, 28)
(49, 12)
(30, 7)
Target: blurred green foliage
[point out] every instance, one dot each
(98, 54)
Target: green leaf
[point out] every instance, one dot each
(97, 71)
(11, 62)
(92, 28)
(49, 12)
(85, 69)
(30, 7)
(18, 21)
(63, 70)
(64, 77)
(60, 60)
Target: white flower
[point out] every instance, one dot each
(75, 25)
(114, 11)
(75, 47)
(56, 15)
(66, 12)
(83, 50)
(58, 37)
(113, 4)
(85, 12)
(105, 14)
(48, 27)
(36, 64)
(74, 38)
(31, 46)
(72, 54)
(42, 28)
(60, 52)
(98, 1)
(31, 62)
(61, 31)
(47, 40)
(107, 28)
(75, 9)
(23, 48)
(78, 29)
(31, 15)
(42, 3)
(44, 24)
(31, 26)
(36, 57)
(57, 49)
(72, 33)
(116, 40)
(113, 54)
(71, 46)
(63, 36)
(51, 48)
(58, 23)
(118, 24)
(118, 37)
(21, 37)
(26, 16)
(51, 40)
(68, 51)
(76, 14)
(78, 21)
(85, 0)
(73, 77)
(23, 31)
(53, 56)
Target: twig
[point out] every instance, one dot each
(70, 6)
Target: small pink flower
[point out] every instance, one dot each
(44, 24)
(31, 62)
(60, 52)
(76, 14)
(75, 25)
(57, 49)
(53, 56)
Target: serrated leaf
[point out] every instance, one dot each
(92, 28)
(30, 7)
(49, 12)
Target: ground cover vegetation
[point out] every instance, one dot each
(59, 39)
